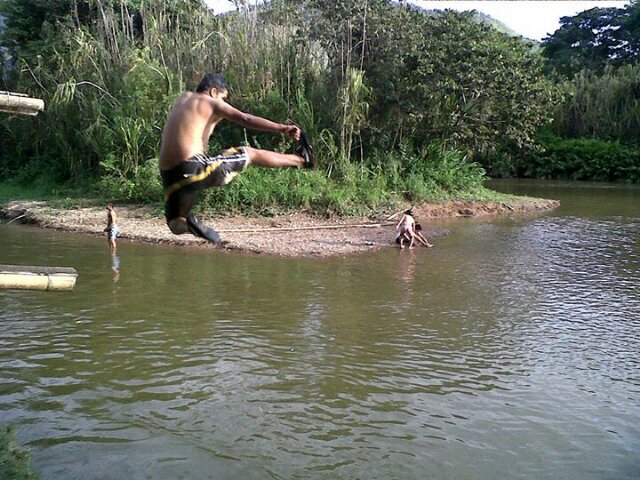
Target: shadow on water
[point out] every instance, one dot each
(508, 350)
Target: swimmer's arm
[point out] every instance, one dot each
(226, 111)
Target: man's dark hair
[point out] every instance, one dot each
(211, 80)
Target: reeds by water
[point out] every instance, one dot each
(605, 106)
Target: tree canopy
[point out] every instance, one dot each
(594, 39)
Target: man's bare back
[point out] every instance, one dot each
(188, 128)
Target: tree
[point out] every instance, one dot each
(452, 79)
(594, 39)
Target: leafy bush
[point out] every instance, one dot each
(141, 186)
(383, 182)
(435, 173)
(582, 159)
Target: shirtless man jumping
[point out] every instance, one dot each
(186, 168)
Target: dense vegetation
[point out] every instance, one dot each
(401, 104)
(595, 134)
(14, 461)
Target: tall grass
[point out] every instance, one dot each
(605, 106)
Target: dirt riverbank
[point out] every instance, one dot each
(297, 234)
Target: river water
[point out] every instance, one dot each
(510, 350)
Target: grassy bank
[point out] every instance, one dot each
(348, 189)
(14, 460)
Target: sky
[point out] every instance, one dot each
(531, 19)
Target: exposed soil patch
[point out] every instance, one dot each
(293, 235)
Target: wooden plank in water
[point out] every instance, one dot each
(25, 277)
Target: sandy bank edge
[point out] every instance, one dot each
(335, 237)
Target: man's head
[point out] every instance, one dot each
(109, 207)
(213, 84)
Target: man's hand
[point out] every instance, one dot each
(292, 131)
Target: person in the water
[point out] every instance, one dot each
(409, 230)
(112, 227)
(406, 229)
(421, 238)
(185, 166)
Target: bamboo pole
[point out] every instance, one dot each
(19, 103)
(24, 277)
(308, 227)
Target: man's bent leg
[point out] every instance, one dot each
(182, 184)
(191, 224)
(176, 209)
(180, 218)
(199, 229)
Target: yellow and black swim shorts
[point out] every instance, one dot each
(182, 182)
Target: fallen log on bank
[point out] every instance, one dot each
(23, 277)
(19, 103)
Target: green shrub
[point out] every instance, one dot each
(582, 159)
(433, 174)
(142, 185)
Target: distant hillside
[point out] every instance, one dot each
(480, 17)
(497, 24)
(483, 17)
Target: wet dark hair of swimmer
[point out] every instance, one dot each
(199, 229)
(408, 211)
(211, 80)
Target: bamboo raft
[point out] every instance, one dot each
(24, 277)
(19, 103)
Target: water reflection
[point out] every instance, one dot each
(509, 351)
(115, 266)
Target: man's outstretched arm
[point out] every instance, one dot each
(226, 111)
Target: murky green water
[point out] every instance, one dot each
(510, 350)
